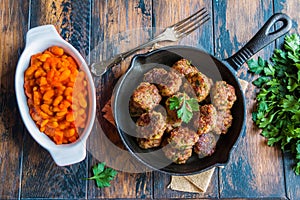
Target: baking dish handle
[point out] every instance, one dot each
(72, 154)
(39, 33)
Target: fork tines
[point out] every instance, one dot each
(191, 23)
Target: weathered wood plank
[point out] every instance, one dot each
(254, 169)
(14, 23)
(291, 8)
(166, 13)
(114, 30)
(42, 178)
(292, 180)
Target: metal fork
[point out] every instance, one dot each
(172, 33)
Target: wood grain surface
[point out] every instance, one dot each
(99, 29)
(252, 157)
(13, 27)
(292, 181)
(108, 24)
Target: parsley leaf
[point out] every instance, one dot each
(184, 106)
(260, 81)
(256, 66)
(102, 175)
(174, 103)
(278, 100)
(193, 103)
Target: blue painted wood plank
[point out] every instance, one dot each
(254, 170)
(41, 177)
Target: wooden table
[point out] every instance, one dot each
(28, 171)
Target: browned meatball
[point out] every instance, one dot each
(200, 83)
(145, 97)
(207, 120)
(149, 143)
(206, 145)
(178, 145)
(178, 156)
(150, 129)
(184, 67)
(151, 125)
(182, 138)
(135, 111)
(224, 121)
(223, 95)
(168, 83)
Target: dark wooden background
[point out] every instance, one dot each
(28, 171)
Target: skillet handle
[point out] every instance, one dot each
(261, 39)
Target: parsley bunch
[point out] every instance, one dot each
(278, 100)
(102, 175)
(184, 106)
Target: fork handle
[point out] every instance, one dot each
(101, 67)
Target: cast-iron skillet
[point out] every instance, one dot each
(213, 68)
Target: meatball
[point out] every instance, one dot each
(145, 97)
(184, 67)
(135, 111)
(207, 120)
(200, 83)
(151, 125)
(182, 138)
(177, 156)
(171, 124)
(178, 146)
(149, 143)
(168, 83)
(224, 121)
(223, 95)
(206, 145)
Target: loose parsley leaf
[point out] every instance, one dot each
(278, 100)
(184, 107)
(102, 175)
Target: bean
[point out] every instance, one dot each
(68, 91)
(48, 95)
(30, 71)
(64, 75)
(70, 132)
(36, 98)
(44, 57)
(56, 50)
(57, 100)
(42, 81)
(45, 108)
(61, 113)
(82, 100)
(70, 117)
(44, 122)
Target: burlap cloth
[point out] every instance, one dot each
(197, 183)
